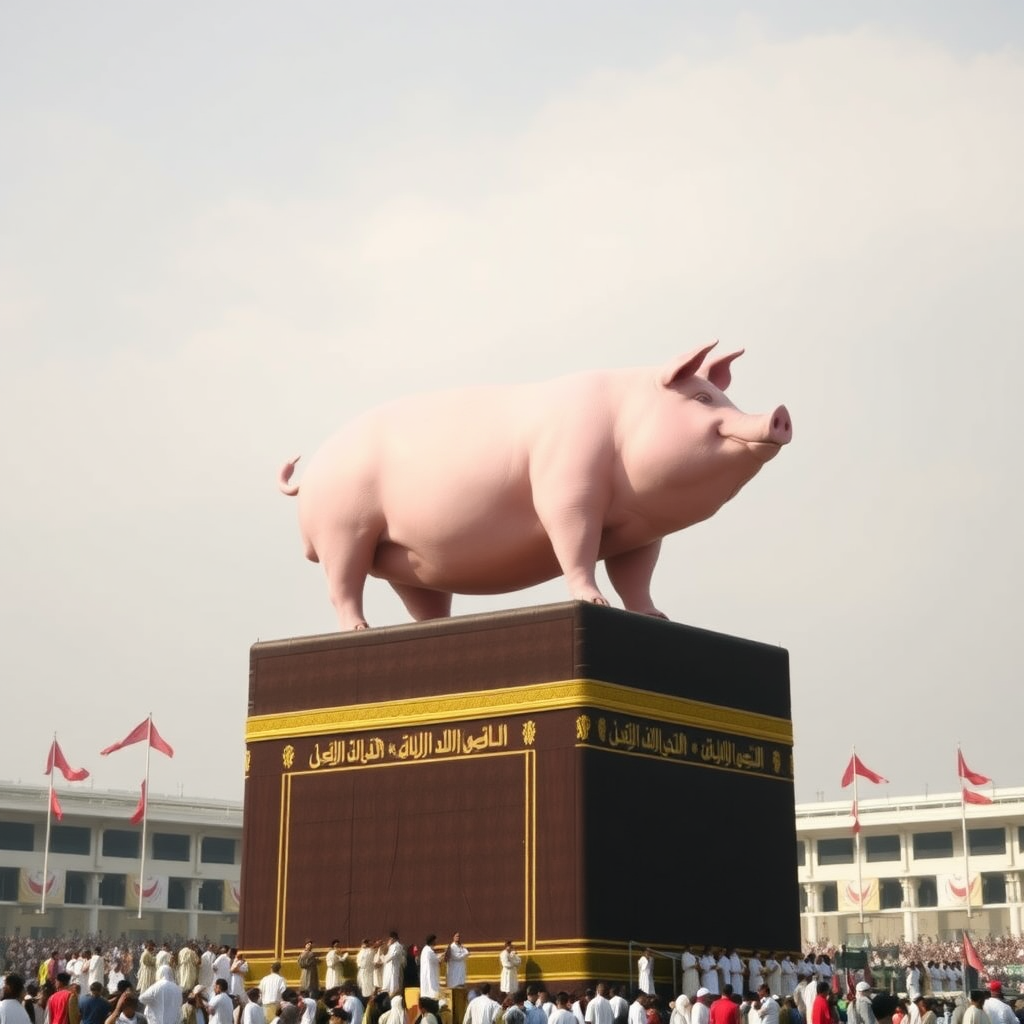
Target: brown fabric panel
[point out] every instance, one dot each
(477, 652)
(260, 831)
(428, 847)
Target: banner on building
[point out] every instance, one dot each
(30, 885)
(953, 890)
(154, 891)
(232, 897)
(853, 898)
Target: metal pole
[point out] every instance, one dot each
(145, 811)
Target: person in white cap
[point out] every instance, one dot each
(859, 1011)
(700, 1012)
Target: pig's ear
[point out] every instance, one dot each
(685, 366)
(717, 370)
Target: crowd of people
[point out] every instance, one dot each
(87, 980)
(996, 952)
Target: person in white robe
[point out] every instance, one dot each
(755, 977)
(147, 967)
(681, 1010)
(430, 969)
(736, 971)
(482, 1009)
(455, 962)
(162, 1000)
(691, 979)
(700, 1012)
(350, 1002)
(637, 1010)
(163, 957)
(252, 1011)
(206, 974)
(272, 987)
(510, 961)
(787, 976)
(364, 969)
(764, 1008)
(394, 960)
(773, 975)
(188, 968)
(97, 968)
(395, 1015)
(645, 972)
(561, 1013)
(708, 972)
(222, 967)
(333, 961)
(724, 966)
(239, 976)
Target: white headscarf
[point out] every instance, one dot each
(162, 1000)
(681, 1011)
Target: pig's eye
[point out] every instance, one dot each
(702, 396)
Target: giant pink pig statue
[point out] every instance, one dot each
(492, 489)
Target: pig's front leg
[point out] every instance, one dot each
(631, 574)
(572, 520)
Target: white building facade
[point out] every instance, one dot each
(94, 868)
(914, 879)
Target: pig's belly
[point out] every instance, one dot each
(489, 558)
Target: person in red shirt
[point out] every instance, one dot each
(821, 1012)
(724, 1010)
(62, 1006)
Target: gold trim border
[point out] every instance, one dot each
(534, 698)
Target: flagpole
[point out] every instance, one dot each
(856, 839)
(145, 812)
(49, 815)
(963, 826)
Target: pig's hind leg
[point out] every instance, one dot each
(630, 574)
(422, 603)
(346, 562)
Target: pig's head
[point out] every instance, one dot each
(691, 436)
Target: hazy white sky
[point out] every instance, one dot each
(226, 229)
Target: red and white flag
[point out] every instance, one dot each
(858, 767)
(144, 729)
(55, 808)
(856, 820)
(970, 797)
(971, 957)
(966, 774)
(56, 759)
(140, 810)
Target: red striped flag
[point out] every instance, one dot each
(965, 773)
(145, 728)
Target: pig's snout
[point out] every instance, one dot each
(780, 427)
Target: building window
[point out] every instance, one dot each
(177, 894)
(169, 846)
(211, 895)
(927, 893)
(829, 897)
(987, 841)
(931, 845)
(803, 900)
(882, 848)
(70, 839)
(835, 851)
(993, 887)
(9, 885)
(890, 894)
(119, 843)
(216, 850)
(801, 853)
(76, 887)
(112, 890)
(16, 835)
